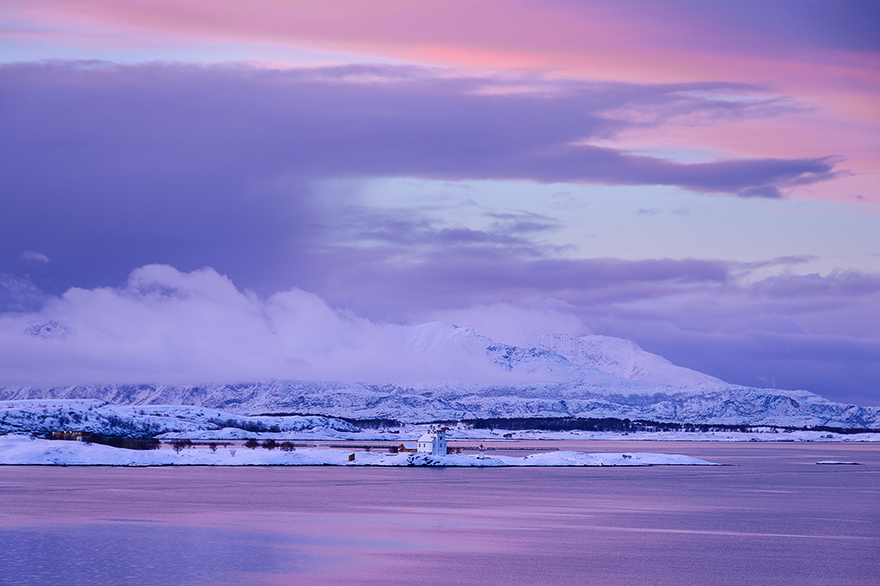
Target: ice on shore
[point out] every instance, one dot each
(23, 450)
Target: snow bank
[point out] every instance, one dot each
(837, 463)
(22, 450)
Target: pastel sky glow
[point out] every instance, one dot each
(700, 177)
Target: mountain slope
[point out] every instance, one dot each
(590, 376)
(724, 404)
(622, 358)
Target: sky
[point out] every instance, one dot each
(233, 190)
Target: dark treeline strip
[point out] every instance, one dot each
(613, 424)
(129, 443)
(251, 426)
(378, 423)
(575, 424)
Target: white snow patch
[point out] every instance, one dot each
(836, 463)
(23, 450)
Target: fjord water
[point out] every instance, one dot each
(772, 517)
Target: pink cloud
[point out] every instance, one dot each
(822, 57)
(646, 41)
(794, 134)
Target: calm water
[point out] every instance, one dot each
(772, 517)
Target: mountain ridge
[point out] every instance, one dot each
(727, 404)
(587, 376)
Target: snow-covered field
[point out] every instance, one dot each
(23, 450)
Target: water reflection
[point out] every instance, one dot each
(136, 553)
(772, 518)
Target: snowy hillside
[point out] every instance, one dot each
(622, 358)
(720, 404)
(590, 376)
(101, 417)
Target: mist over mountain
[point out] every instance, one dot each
(554, 376)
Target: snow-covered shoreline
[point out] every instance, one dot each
(23, 450)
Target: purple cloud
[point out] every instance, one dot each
(18, 294)
(840, 368)
(34, 256)
(810, 332)
(455, 276)
(233, 124)
(108, 167)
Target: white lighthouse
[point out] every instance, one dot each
(433, 442)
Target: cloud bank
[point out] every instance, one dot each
(123, 166)
(167, 326)
(237, 122)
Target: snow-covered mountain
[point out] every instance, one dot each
(560, 356)
(101, 417)
(589, 376)
(719, 404)
(621, 358)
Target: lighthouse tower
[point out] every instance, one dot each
(433, 442)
